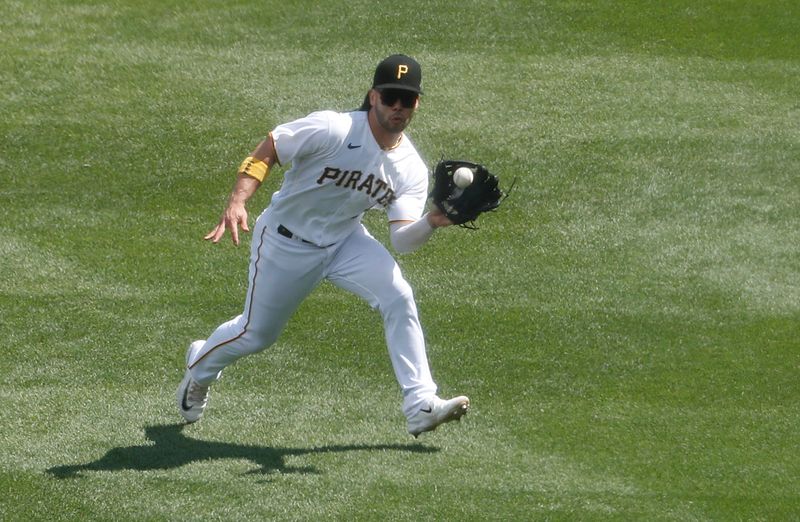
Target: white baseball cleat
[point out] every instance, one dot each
(191, 396)
(437, 412)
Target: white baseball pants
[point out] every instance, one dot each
(284, 271)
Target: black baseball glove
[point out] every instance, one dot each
(464, 205)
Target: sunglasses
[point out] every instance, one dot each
(390, 96)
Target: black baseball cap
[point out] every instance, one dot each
(398, 72)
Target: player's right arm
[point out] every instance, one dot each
(251, 173)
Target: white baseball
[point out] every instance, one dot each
(462, 177)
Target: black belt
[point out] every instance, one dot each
(285, 232)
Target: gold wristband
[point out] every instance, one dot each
(255, 168)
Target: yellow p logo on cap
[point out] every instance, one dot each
(401, 70)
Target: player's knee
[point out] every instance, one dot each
(400, 302)
(256, 340)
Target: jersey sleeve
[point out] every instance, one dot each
(410, 202)
(305, 136)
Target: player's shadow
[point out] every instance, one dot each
(170, 449)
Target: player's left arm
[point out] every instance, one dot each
(409, 226)
(407, 236)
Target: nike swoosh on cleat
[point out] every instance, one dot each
(185, 406)
(351, 146)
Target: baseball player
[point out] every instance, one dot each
(342, 164)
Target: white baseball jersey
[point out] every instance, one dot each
(338, 172)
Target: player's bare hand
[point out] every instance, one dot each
(437, 219)
(233, 217)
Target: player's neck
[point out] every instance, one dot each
(391, 143)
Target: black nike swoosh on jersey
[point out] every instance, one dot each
(428, 410)
(351, 146)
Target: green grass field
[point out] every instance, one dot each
(627, 325)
